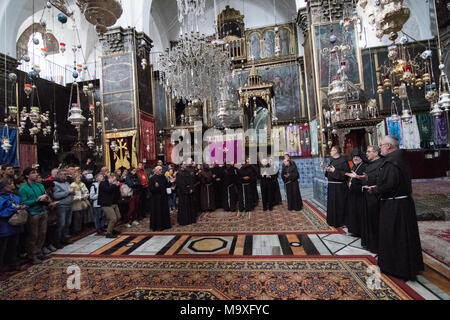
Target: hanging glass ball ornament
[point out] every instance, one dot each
(36, 41)
(75, 74)
(43, 23)
(12, 77)
(333, 38)
(32, 74)
(49, 5)
(62, 18)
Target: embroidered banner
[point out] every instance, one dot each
(305, 140)
(411, 136)
(121, 150)
(440, 131)
(10, 157)
(293, 146)
(148, 138)
(314, 138)
(425, 124)
(395, 129)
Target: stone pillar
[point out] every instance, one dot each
(127, 98)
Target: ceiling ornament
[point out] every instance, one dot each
(101, 13)
(192, 69)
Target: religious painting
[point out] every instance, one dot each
(120, 111)
(147, 138)
(285, 41)
(328, 64)
(160, 106)
(255, 46)
(117, 73)
(309, 80)
(145, 94)
(286, 86)
(10, 157)
(269, 44)
(293, 145)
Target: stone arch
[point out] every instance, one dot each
(50, 41)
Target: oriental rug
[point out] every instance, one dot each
(261, 278)
(435, 239)
(280, 220)
(432, 199)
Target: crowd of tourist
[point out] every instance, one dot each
(73, 200)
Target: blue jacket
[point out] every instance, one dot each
(61, 193)
(6, 211)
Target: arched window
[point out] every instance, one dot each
(269, 44)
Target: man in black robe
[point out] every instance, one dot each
(159, 215)
(371, 207)
(184, 188)
(217, 172)
(337, 188)
(267, 185)
(254, 184)
(277, 193)
(399, 250)
(207, 190)
(355, 194)
(246, 179)
(290, 177)
(229, 185)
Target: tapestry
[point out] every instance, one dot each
(169, 148)
(29, 155)
(425, 123)
(147, 138)
(280, 132)
(233, 151)
(124, 154)
(314, 138)
(10, 157)
(305, 140)
(395, 130)
(293, 145)
(381, 131)
(411, 136)
(440, 131)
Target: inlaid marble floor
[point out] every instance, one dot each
(239, 245)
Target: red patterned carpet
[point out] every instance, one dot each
(435, 239)
(259, 278)
(280, 220)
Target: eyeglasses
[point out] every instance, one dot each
(383, 144)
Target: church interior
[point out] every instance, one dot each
(113, 88)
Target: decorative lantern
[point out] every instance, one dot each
(28, 88)
(44, 52)
(13, 112)
(79, 67)
(36, 68)
(436, 111)
(55, 146)
(85, 90)
(91, 108)
(62, 47)
(90, 142)
(394, 111)
(76, 118)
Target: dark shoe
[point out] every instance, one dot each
(100, 233)
(59, 246)
(111, 236)
(115, 232)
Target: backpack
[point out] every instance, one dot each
(125, 191)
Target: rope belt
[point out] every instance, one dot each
(396, 198)
(333, 182)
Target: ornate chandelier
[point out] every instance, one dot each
(191, 69)
(190, 8)
(39, 122)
